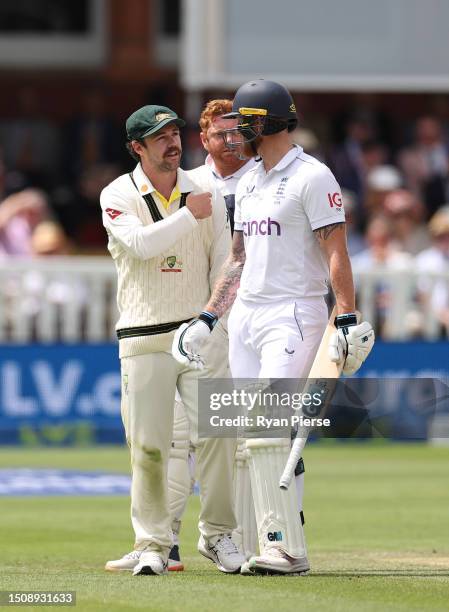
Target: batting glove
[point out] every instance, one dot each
(190, 338)
(351, 343)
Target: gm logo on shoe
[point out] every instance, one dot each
(275, 536)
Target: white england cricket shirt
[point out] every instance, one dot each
(277, 213)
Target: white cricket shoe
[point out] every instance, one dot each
(150, 563)
(129, 562)
(275, 561)
(223, 552)
(125, 564)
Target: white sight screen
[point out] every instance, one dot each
(333, 44)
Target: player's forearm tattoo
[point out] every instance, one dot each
(225, 290)
(323, 233)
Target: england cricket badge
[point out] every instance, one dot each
(172, 263)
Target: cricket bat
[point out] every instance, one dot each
(322, 378)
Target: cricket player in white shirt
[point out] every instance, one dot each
(223, 170)
(289, 240)
(169, 237)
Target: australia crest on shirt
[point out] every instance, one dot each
(171, 263)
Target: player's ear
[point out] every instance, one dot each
(204, 141)
(137, 146)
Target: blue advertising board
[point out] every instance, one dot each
(70, 394)
(407, 360)
(60, 394)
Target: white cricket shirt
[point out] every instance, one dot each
(166, 267)
(227, 185)
(277, 213)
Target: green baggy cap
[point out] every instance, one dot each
(149, 120)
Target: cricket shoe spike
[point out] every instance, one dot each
(174, 560)
(150, 564)
(223, 552)
(275, 561)
(126, 564)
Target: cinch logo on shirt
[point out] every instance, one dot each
(266, 227)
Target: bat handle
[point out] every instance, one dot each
(292, 461)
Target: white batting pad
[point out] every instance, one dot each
(276, 509)
(245, 535)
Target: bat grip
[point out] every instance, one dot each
(292, 461)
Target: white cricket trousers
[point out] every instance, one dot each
(149, 383)
(278, 340)
(181, 464)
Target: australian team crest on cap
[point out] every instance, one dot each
(150, 119)
(172, 263)
(162, 116)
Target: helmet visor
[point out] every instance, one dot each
(251, 122)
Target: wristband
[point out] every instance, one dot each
(345, 320)
(208, 318)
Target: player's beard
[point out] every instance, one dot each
(227, 158)
(169, 164)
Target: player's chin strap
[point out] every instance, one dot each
(253, 147)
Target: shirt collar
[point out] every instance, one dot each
(239, 173)
(142, 181)
(285, 161)
(175, 195)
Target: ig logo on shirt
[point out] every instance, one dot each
(335, 199)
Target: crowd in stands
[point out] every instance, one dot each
(66, 167)
(395, 191)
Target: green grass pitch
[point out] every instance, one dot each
(377, 526)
